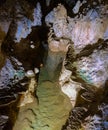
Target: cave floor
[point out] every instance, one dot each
(49, 112)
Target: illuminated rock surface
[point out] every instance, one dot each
(86, 58)
(49, 49)
(50, 111)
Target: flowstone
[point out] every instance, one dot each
(49, 112)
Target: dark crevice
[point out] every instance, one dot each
(88, 50)
(71, 57)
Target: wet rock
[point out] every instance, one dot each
(10, 82)
(98, 120)
(77, 6)
(54, 64)
(3, 121)
(75, 119)
(53, 107)
(24, 24)
(60, 22)
(58, 45)
(49, 96)
(28, 96)
(84, 33)
(29, 57)
(68, 86)
(30, 74)
(23, 51)
(98, 67)
(64, 26)
(86, 60)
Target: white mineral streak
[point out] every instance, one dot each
(106, 34)
(65, 76)
(36, 70)
(32, 46)
(27, 97)
(70, 90)
(17, 61)
(77, 7)
(37, 14)
(30, 73)
(69, 87)
(25, 24)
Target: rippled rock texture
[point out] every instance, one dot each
(51, 112)
(49, 47)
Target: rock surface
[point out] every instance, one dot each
(53, 107)
(69, 40)
(16, 21)
(87, 54)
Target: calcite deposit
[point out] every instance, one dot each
(83, 31)
(86, 58)
(53, 65)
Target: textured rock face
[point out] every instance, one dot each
(87, 54)
(51, 112)
(75, 62)
(52, 108)
(24, 24)
(22, 47)
(58, 46)
(19, 47)
(83, 31)
(9, 79)
(3, 121)
(93, 69)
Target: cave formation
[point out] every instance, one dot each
(53, 65)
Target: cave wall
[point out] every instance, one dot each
(51, 43)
